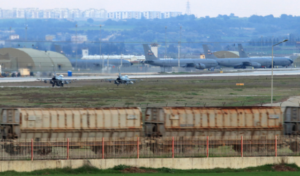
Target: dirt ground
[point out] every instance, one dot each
(283, 168)
(137, 170)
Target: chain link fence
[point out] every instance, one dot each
(164, 147)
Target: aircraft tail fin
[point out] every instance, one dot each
(148, 53)
(242, 52)
(207, 52)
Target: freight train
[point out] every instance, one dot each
(91, 125)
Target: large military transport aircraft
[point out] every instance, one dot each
(277, 61)
(186, 63)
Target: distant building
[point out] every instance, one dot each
(64, 13)
(75, 13)
(7, 14)
(14, 37)
(79, 38)
(118, 15)
(50, 37)
(111, 15)
(152, 15)
(171, 14)
(85, 52)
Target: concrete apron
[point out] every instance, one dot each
(176, 163)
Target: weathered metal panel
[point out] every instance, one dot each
(292, 114)
(220, 121)
(10, 116)
(77, 124)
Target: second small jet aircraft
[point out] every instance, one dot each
(122, 79)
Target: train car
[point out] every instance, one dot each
(219, 123)
(292, 120)
(88, 127)
(77, 124)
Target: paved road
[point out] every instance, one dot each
(251, 73)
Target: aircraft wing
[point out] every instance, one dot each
(44, 79)
(49, 79)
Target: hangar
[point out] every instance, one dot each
(13, 59)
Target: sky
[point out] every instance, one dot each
(201, 8)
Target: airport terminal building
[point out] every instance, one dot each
(14, 59)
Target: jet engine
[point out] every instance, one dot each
(255, 64)
(200, 66)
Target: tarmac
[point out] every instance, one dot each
(280, 72)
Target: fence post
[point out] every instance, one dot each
(102, 147)
(31, 149)
(68, 146)
(173, 147)
(276, 145)
(138, 147)
(207, 146)
(242, 146)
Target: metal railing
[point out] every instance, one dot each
(165, 147)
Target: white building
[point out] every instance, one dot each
(46, 14)
(131, 15)
(19, 13)
(50, 37)
(64, 13)
(80, 38)
(101, 14)
(152, 15)
(14, 37)
(171, 14)
(75, 13)
(118, 15)
(111, 15)
(7, 14)
(31, 13)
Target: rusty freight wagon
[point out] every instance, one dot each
(221, 124)
(80, 125)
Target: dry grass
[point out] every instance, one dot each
(152, 92)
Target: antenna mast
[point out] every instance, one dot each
(188, 9)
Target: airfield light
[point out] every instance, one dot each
(272, 69)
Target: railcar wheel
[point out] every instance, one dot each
(96, 149)
(43, 150)
(295, 146)
(12, 149)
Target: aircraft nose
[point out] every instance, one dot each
(291, 61)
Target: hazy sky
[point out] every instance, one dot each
(200, 8)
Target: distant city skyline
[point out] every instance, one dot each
(201, 8)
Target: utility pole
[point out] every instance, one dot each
(10, 37)
(25, 35)
(165, 41)
(100, 46)
(261, 45)
(76, 46)
(179, 46)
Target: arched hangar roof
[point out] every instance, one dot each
(36, 60)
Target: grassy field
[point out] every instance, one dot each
(267, 170)
(220, 91)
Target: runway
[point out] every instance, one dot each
(249, 73)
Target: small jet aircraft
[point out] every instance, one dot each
(58, 81)
(122, 79)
